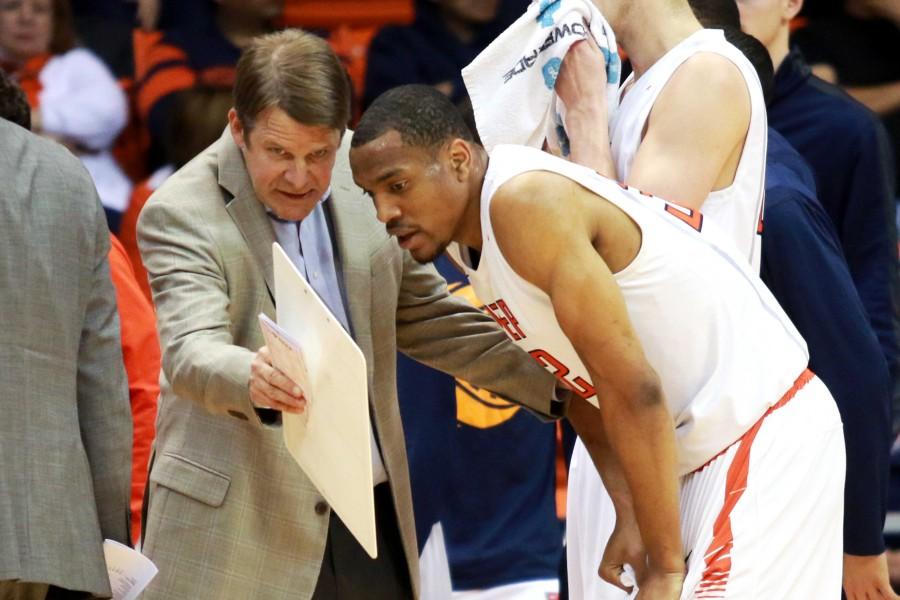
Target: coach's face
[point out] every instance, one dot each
(419, 193)
(289, 163)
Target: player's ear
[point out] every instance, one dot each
(460, 155)
(792, 8)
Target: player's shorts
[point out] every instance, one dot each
(762, 520)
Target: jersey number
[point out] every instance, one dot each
(694, 218)
(577, 385)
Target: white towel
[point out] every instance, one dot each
(511, 83)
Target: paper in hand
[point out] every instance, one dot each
(129, 570)
(286, 353)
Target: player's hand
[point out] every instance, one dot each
(272, 389)
(866, 578)
(581, 83)
(625, 547)
(660, 585)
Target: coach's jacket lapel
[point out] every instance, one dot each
(248, 212)
(347, 212)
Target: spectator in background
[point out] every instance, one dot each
(445, 37)
(141, 354)
(856, 48)
(65, 435)
(847, 149)
(104, 27)
(198, 117)
(201, 50)
(73, 96)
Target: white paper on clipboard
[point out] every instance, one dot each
(331, 440)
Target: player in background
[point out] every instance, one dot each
(690, 127)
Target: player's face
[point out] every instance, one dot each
(289, 163)
(765, 19)
(415, 190)
(25, 27)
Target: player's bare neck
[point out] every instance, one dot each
(646, 39)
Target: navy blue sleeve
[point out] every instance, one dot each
(869, 236)
(803, 266)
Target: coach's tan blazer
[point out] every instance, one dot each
(231, 515)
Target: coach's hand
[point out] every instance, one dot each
(270, 388)
(625, 547)
(866, 578)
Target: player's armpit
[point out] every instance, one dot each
(695, 132)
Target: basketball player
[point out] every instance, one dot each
(609, 288)
(691, 121)
(690, 127)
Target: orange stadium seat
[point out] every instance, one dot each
(314, 14)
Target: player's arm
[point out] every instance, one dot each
(562, 261)
(695, 130)
(625, 545)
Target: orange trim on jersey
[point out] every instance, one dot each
(693, 218)
(163, 83)
(718, 555)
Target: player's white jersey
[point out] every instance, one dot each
(737, 208)
(722, 346)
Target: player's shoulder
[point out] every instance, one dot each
(708, 91)
(709, 73)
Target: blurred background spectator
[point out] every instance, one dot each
(445, 37)
(197, 118)
(73, 95)
(197, 47)
(854, 44)
(104, 27)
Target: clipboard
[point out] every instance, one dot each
(331, 440)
